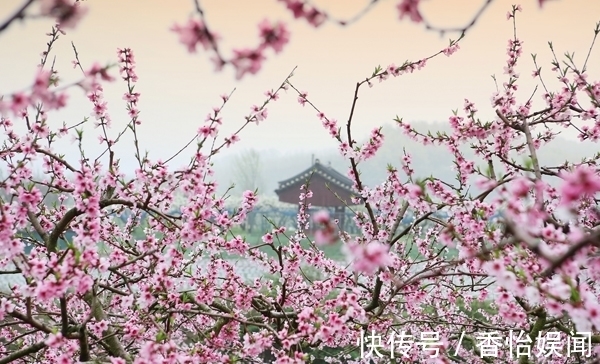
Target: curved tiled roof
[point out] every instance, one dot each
(330, 174)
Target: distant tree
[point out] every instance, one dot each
(248, 175)
(248, 171)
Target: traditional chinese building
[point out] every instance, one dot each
(330, 189)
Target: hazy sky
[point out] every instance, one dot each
(178, 89)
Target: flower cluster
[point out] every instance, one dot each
(300, 9)
(68, 13)
(325, 234)
(245, 60)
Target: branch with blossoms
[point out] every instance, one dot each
(76, 289)
(406, 8)
(248, 60)
(67, 13)
(276, 35)
(356, 155)
(115, 271)
(538, 270)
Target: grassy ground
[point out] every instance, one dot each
(333, 251)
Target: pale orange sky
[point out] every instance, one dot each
(179, 89)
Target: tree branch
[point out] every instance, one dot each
(23, 352)
(116, 349)
(19, 14)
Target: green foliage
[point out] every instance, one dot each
(377, 70)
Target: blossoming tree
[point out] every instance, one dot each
(456, 287)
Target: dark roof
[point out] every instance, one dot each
(330, 174)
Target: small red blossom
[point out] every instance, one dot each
(68, 13)
(370, 257)
(194, 33)
(274, 36)
(583, 181)
(410, 8)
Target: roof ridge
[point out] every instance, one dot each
(325, 171)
